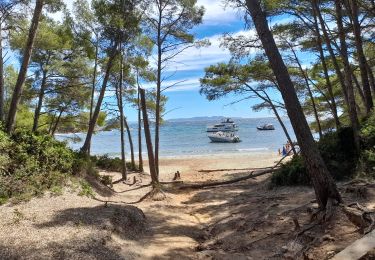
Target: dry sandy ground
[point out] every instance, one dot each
(245, 220)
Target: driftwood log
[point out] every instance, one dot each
(252, 174)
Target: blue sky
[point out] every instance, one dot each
(184, 99)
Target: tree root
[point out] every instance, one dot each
(360, 216)
(252, 174)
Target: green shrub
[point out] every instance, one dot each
(291, 173)
(112, 164)
(31, 163)
(338, 152)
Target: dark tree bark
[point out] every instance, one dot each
(95, 115)
(332, 102)
(17, 92)
(93, 87)
(2, 87)
(130, 143)
(317, 13)
(268, 100)
(361, 56)
(122, 119)
(372, 78)
(150, 151)
(57, 121)
(140, 159)
(158, 89)
(38, 108)
(281, 122)
(305, 77)
(348, 74)
(323, 183)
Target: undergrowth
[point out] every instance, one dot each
(339, 154)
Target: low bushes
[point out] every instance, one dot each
(30, 164)
(111, 164)
(338, 152)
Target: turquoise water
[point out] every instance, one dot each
(189, 137)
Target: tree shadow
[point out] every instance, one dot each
(87, 248)
(128, 222)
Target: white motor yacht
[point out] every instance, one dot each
(226, 125)
(223, 137)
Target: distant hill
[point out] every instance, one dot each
(200, 118)
(207, 118)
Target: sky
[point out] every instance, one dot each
(184, 100)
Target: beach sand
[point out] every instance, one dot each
(189, 166)
(243, 220)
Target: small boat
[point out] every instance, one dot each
(222, 137)
(226, 125)
(266, 127)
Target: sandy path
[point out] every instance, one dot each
(75, 226)
(244, 220)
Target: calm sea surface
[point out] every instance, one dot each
(189, 137)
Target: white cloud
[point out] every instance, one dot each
(216, 12)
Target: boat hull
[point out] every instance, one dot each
(265, 129)
(216, 139)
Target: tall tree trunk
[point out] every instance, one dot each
(305, 77)
(51, 124)
(348, 74)
(38, 108)
(122, 119)
(2, 87)
(281, 122)
(93, 88)
(316, 11)
(158, 91)
(332, 103)
(17, 92)
(140, 159)
(95, 115)
(57, 122)
(361, 56)
(372, 78)
(150, 151)
(130, 143)
(323, 183)
(266, 98)
(359, 89)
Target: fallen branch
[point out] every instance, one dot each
(233, 169)
(252, 174)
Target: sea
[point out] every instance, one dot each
(188, 137)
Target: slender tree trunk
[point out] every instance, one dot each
(158, 92)
(140, 159)
(361, 56)
(359, 89)
(348, 74)
(268, 100)
(95, 115)
(305, 77)
(323, 183)
(17, 92)
(372, 78)
(130, 143)
(57, 122)
(38, 108)
(333, 104)
(93, 88)
(122, 119)
(2, 87)
(317, 13)
(150, 151)
(281, 122)
(51, 124)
